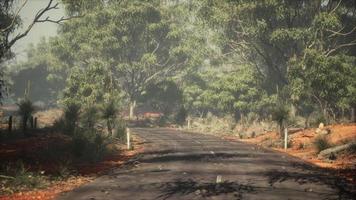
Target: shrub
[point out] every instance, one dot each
(352, 148)
(280, 115)
(109, 111)
(321, 143)
(181, 116)
(251, 118)
(79, 144)
(71, 117)
(120, 131)
(162, 121)
(26, 109)
(89, 118)
(17, 177)
(316, 119)
(88, 146)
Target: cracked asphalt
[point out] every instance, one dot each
(180, 165)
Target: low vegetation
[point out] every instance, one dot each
(56, 153)
(19, 178)
(321, 143)
(245, 68)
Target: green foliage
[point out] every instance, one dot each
(326, 78)
(71, 118)
(163, 121)
(42, 69)
(305, 45)
(120, 130)
(89, 118)
(88, 145)
(164, 96)
(321, 143)
(26, 109)
(181, 116)
(109, 111)
(124, 46)
(280, 113)
(317, 118)
(18, 178)
(237, 92)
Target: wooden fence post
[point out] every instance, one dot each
(31, 122)
(285, 139)
(35, 123)
(10, 124)
(128, 138)
(189, 122)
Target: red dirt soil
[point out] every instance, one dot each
(302, 147)
(87, 172)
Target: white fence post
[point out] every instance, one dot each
(285, 139)
(128, 138)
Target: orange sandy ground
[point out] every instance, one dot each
(87, 173)
(345, 164)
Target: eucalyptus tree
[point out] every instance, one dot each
(268, 33)
(134, 42)
(303, 45)
(10, 21)
(42, 69)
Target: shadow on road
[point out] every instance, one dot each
(313, 175)
(189, 186)
(194, 157)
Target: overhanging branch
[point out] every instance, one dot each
(37, 19)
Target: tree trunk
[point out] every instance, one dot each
(132, 109)
(189, 122)
(109, 127)
(10, 124)
(307, 122)
(281, 129)
(326, 117)
(293, 110)
(35, 122)
(242, 118)
(353, 119)
(24, 125)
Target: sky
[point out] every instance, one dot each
(39, 30)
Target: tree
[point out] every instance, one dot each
(42, 69)
(109, 111)
(25, 110)
(133, 41)
(275, 36)
(10, 21)
(326, 80)
(268, 34)
(164, 96)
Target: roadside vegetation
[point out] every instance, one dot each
(73, 146)
(247, 69)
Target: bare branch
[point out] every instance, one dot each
(339, 32)
(37, 19)
(352, 43)
(154, 51)
(16, 15)
(55, 21)
(337, 6)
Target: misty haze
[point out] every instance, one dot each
(177, 99)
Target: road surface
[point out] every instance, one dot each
(180, 165)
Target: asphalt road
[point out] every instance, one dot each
(180, 165)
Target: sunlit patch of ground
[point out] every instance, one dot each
(48, 117)
(302, 147)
